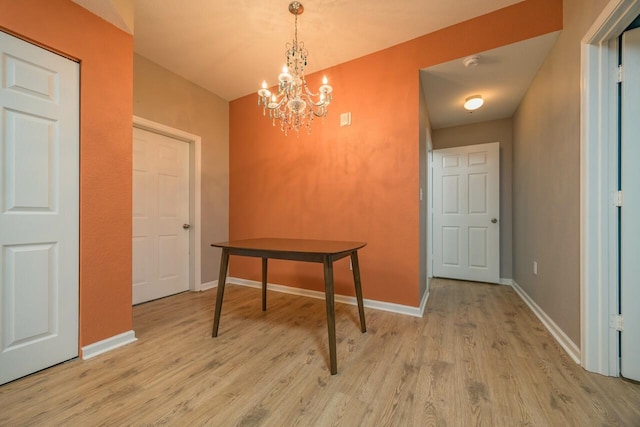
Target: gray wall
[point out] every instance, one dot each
(164, 97)
(493, 131)
(546, 176)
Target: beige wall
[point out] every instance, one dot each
(166, 98)
(479, 133)
(546, 184)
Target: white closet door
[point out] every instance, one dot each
(39, 175)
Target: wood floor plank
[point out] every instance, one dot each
(478, 356)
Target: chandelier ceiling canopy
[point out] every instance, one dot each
(294, 105)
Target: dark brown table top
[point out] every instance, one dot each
(320, 247)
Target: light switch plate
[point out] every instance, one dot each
(345, 119)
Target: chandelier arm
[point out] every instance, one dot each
(322, 113)
(326, 100)
(308, 91)
(320, 104)
(277, 105)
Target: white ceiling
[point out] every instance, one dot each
(230, 47)
(502, 77)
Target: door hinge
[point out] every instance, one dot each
(617, 199)
(619, 74)
(616, 322)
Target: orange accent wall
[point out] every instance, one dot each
(105, 54)
(359, 182)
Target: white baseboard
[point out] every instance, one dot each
(108, 344)
(378, 305)
(565, 342)
(208, 285)
(506, 282)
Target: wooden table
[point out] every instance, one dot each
(320, 251)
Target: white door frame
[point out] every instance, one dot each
(195, 169)
(429, 190)
(598, 183)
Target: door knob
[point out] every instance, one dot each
(186, 226)
(494, 220)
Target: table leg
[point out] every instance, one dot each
(358, 285)
(264, 284)
(224, 264)
(331, 313)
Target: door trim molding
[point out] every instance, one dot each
(598, 168)
(429, 191)
(195, 187)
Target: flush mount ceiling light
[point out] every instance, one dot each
(473, 102)
(471, 61)
(295, 105)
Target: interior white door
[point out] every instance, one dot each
(160, 215)
(630, 210)
(466, 207)
(39, 176)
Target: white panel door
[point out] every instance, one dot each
(160, 212)
(39, 175)
(466, 198)
(630, 214)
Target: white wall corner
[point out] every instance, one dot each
(108, 344)
(506, 282)
(423, 303)
(558, 334)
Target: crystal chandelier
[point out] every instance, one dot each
(295, 105)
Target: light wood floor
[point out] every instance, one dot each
(477, 357)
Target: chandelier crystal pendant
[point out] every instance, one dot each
(295, 106)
